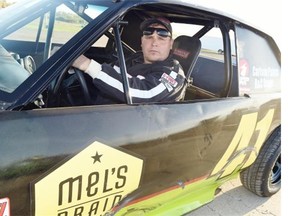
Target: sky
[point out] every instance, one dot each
(264, 14)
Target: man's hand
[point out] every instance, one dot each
(82, 63)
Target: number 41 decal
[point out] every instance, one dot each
(239, 153)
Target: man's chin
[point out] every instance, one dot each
(154, 59)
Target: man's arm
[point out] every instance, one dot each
(82, 63)
(159, 86)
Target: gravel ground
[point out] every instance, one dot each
(235, 200)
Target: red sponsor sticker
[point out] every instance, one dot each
(182, 53)
(4, 207)
(168, 81)
(244, 79)
(244, 68)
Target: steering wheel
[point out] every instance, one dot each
(75, 75)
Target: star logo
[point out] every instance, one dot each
(96, 157)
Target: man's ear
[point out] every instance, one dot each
(141, 41)
(171, 43)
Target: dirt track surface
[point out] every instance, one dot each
(235, 200)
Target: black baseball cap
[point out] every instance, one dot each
(159, 20)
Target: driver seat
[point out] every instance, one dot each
(186, 50)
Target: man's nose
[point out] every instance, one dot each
(154, 38)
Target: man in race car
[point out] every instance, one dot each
(153, 75)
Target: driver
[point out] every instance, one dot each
(153, 75)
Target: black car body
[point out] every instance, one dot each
(62, 155)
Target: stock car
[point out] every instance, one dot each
(61, 154)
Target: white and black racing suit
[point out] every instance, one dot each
(157, 82)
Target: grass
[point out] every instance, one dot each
(59, 26)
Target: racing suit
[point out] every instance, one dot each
(162, 81)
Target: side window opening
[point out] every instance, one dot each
(208, 74)
(209, 71)
(212, 45)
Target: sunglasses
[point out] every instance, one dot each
(160, 32)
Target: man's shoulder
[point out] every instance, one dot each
(177, 67)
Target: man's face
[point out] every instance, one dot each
(155, 47)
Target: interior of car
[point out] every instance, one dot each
(206, 69)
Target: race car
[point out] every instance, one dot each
(62, 154)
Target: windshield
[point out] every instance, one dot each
(38, 31)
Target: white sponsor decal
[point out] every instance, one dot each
(90, 183)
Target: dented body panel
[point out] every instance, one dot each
(179, 144)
